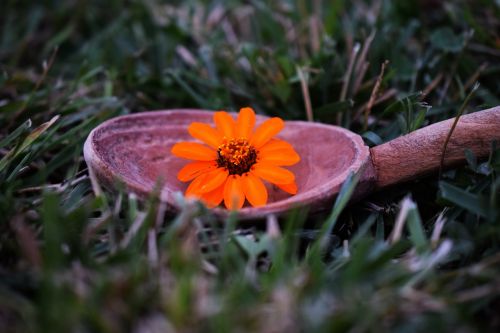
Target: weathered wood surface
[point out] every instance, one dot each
(135, 149)
(419, 153)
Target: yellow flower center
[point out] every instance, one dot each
(236, 155)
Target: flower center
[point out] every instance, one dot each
(236, 155)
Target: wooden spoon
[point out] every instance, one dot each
(135, 149)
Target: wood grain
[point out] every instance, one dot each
(419, 153)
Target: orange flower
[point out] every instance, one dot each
(235, 159)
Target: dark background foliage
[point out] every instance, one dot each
(76, 259)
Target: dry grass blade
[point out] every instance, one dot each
(488, 290)
(454, 125)
(96, 187)
(152, 248)
(473, 79)
(55, 187)
(134, 229)
(272, 226)
(47, 65)
(305, 93)
(397, 231)
(374, 94)
(438, 229)
(431, 86)
(361, 64)
(347, 78)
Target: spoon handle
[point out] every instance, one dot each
(419, 153)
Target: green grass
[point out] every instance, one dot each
(70, 260)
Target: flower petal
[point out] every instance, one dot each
(193, 151)
(225, 124)
(289, 188)
(279, 157)
(266, 131)
(276, 144)
(205, 133)
(273, 174)
(254, 189)
(214, 198)
(234, 198)
(193, 190)
(194, 169)
(214, 179)
(245, 123)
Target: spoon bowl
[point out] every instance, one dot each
(135, 149)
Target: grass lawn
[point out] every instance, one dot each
(75, 258)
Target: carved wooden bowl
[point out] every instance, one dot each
(135, 149)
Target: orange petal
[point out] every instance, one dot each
(254, 189)
(194, 169)
(245, 123)
(266, 131)
(193, 190)
(289, 188)
(224, 123)
(205, 133)
(279, 157)
(193, 151)
(273, 174)
(276, 144)
(214, 179)
(233, 193)
(214, 198)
